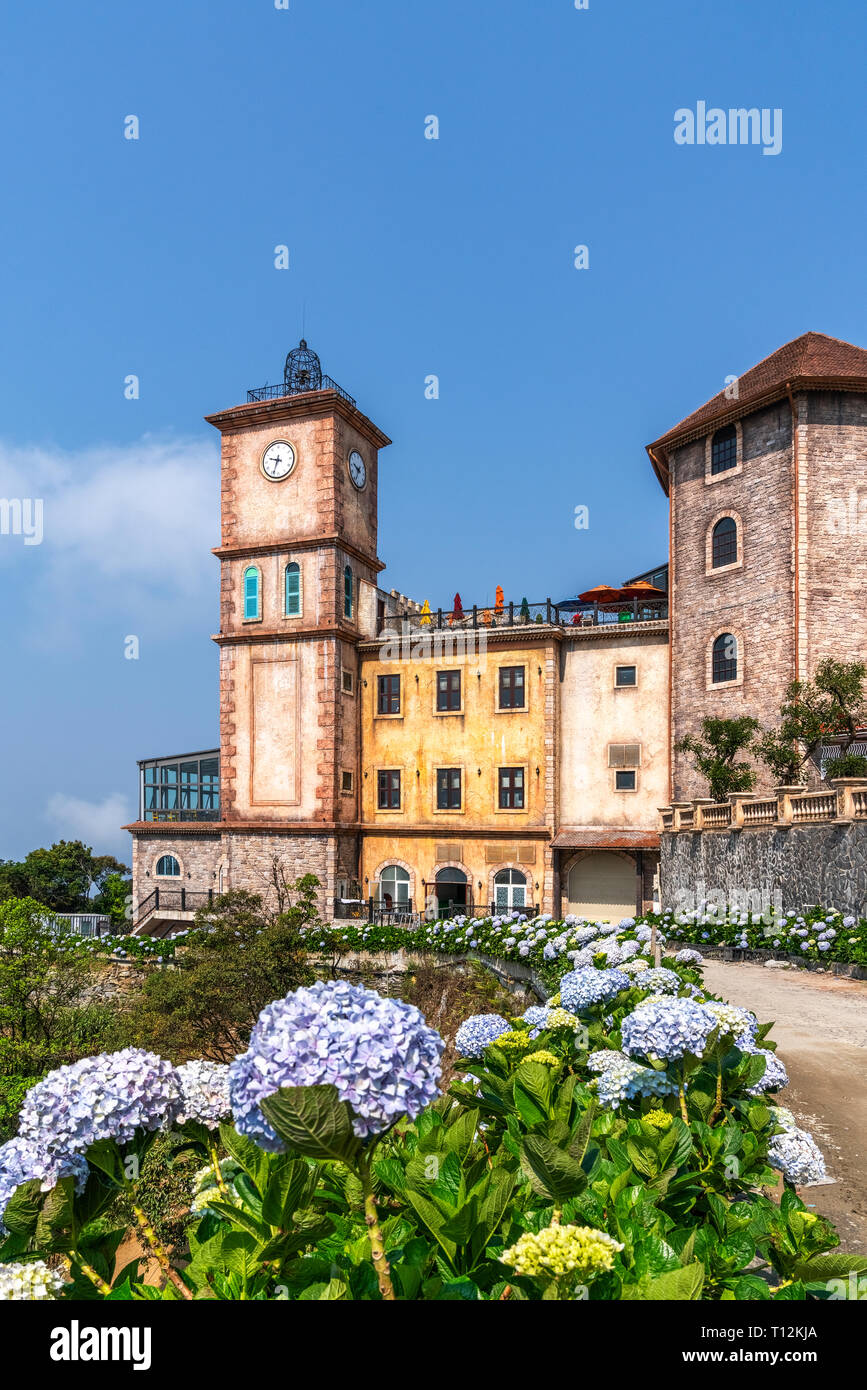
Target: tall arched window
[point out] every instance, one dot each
(168, 867)
(510, 889)
(292, 604)
(724, 659)
(724, 450)
(393, 885)
(251, 593)
(724, 542)
(348, 593)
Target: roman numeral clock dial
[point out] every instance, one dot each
(278, 460)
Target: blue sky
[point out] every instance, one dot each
(408, 257)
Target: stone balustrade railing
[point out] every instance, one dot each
(843, 799)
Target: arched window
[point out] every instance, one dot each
(724, 659)
(348, 598)
(724, 542)
(451, 891)
(251, 593)
(292, 604)
(510, 889)
(393, 885)
(724, 450)
(168, 867)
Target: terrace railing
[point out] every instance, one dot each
(546, 613)
(273, 393)
(845, 800)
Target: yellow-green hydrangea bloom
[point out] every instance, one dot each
(546, 1058)
(560, 1250)
(554, 1000)
(659, 1119)
(514, 1041)
(561, 1018)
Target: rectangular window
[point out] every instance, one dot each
(388, 694)
(347, 682)
(251, 595)
(346, 781)
(448, 789)
(388, 790)
(624, 781)
(625, 675)
(348, 593)
(292, 605)
(624, 755)
(448, 690)
(511, 687)
(511, 785)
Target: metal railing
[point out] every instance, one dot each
(522, 614)
(174, 900)
(272, 393)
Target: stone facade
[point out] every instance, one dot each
(792, 867)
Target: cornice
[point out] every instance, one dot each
(314, 403)
(332, 541)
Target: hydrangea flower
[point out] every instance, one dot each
(21, 1161)
(667, 1029)
(775, 1076)
(581, 989)
(109, 1096)
(478, 1032)
(740, 1022)
(627, 1080)
(660, 980)
(560, 1249)
(546, 1058)
(795, 1154)
(635, 967)
(535, 1016)
(688, 957)
(33, 1281)
(205, 1092)
(379, 1054)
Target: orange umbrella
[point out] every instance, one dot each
(603, 593)
(640, 589)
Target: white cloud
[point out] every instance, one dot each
(97, 823)
(127, 533)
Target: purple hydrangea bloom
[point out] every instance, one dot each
(379, 1054)
(21, 1161)
(667, 1029)
(478, 1032)
(205, 1093)
(581, 989)
(688, 957)
(109, 1096)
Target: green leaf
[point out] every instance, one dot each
(675, 1285)
(106, 1156)
(826, 1267)
(237, 1216)
(314, 1121)
(23, 1208)
(553, 1173)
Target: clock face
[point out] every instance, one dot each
(357, 469)
(278, 460)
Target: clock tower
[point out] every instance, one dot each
(298, 592)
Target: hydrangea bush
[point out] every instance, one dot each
(615, 1143)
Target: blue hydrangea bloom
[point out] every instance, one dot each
(795, 1153)
(667, 1029)
(109, 1096)
(535, 1016)
(379, 1054)
(775, 1074)
(478, 1032)
(628, 1080)
(581, 989)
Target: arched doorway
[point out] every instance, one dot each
(510, 890)
(601, 886)
(451, 890)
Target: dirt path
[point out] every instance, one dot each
(821, 1035)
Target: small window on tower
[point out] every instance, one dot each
(346, 781)
(348, 593)
(251, 595)
(348, 683)
(292, 607)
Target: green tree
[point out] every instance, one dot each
(239, 957)
(832, 704)
(715, 754)
(63, 878)
(113, 899)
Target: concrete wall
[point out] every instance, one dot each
(595, 713)
(793, 867)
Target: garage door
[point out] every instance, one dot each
(602, 887)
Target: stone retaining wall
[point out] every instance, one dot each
(791, 867)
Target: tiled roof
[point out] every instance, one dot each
(814, 359)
